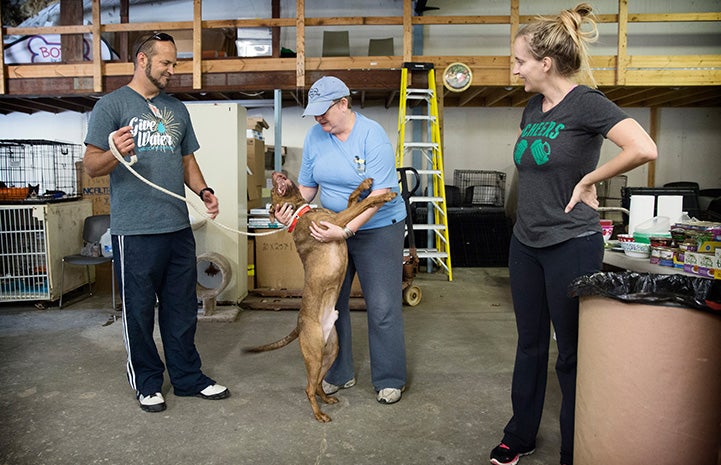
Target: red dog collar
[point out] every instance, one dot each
(301, 211)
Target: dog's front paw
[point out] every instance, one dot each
(389, 196)
(366, 184)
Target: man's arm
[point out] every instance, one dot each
(99, 162)
(194, 179)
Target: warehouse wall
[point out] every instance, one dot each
(483, 138)
(474, 138)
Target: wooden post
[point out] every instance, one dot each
(197, 44)
(407, 31)
(622, 55)
(653, 132)
(97, 48)
(122, 39)
(515, 25)
(300, 45)
(71, 45)
(275, 37)
(2, 59)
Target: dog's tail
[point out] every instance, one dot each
(275, 345)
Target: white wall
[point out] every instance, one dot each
(482, 138)
(474, 138)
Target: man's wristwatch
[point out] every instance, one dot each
(204, 190)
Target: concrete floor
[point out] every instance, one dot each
(64, 398)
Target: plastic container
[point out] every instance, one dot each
(106, 244)
(659, 226)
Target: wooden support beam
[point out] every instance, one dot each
(122, 39)
(389, 99)
(407, 31)
(197, 44)
(275, 31)
(622, 52)
(2, 58)
(515, 26)
(653, 132)
(300, 44)
(71, 45)
(97, 48)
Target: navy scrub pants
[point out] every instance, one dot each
(162, 268)
(539, 286)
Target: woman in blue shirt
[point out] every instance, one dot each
(339, 152)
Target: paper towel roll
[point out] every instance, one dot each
(641, 209)
(670, 206)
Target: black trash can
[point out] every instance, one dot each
(648, 388)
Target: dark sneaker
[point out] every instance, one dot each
(214, 392)
(504, 455)
(152, 403)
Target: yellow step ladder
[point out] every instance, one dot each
(424, 125)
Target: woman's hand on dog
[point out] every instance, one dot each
(283, 213)
(326, 232)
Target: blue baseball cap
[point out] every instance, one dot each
(323, 93)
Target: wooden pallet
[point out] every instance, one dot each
(285, 299)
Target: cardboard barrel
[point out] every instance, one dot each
(648, 385)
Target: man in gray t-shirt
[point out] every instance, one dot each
(153, 244)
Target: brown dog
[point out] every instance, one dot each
(324, 264)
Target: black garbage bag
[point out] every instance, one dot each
(650, 288)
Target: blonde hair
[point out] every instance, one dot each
(565, 39)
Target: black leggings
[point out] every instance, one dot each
(539, 286)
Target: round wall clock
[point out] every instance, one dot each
(457, 77)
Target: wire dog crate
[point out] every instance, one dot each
(38, 170)
(23, 263)
(33, 240)
(481, 187)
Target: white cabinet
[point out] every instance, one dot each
(33, 240)
(221, 130)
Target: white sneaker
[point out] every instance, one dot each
(332, 388)
(214, 392)
(152, 403)
(389, 395)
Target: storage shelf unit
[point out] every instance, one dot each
(33, 240)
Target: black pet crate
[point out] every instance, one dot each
(37, 170)
(480, 187)
(479, 236)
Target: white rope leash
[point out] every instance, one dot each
(133, 158)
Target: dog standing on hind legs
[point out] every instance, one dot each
(324, 264)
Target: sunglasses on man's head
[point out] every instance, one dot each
(160, 36)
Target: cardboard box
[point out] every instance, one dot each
(215, 42)
(96, 189)
(256, 172)
(257, 123)
(278, 266)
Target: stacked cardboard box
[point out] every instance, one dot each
(278, 266)
(256, 161)
(95, 189)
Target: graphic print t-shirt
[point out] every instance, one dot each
(554, 151)
(163, 134)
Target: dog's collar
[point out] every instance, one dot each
(300, 212)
